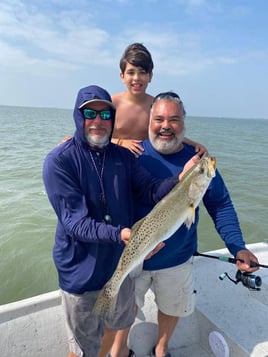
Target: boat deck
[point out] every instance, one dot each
(234, 315)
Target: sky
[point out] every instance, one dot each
(213, 53)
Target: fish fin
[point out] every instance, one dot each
(190, 216)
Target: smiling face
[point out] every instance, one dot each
(136, 79)
(97, 131)
(166, 128)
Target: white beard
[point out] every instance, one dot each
(166, 147)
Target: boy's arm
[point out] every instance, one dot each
(133, 145)
(200, 149)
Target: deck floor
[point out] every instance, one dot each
(190, 351)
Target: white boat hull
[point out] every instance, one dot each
(237, 318)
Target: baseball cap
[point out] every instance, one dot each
(96, 94)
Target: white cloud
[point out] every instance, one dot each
(73, 43)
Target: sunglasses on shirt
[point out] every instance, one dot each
(91, 114)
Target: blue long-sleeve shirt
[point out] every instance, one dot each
(181, 246)
(86, 249)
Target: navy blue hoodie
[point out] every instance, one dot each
(87, 250)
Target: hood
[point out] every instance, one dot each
(87, 95)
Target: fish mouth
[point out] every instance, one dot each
(211, 166)
(213, 162)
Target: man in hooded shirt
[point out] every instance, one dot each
(91, 183)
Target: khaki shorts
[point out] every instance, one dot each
(172, 287)
(85, 330)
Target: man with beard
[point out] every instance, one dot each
(91, 184)
(170, 271)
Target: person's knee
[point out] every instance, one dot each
(109, 332)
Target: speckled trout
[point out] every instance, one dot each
(171, 212)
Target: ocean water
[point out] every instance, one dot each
(28, 221)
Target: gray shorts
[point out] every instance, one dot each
(85, 330)
(172, 287)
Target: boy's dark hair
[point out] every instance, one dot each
(137, 55)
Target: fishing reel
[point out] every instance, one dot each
(250, 281)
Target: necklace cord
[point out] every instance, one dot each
(107, 217)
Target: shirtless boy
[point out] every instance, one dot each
(133, 105)
(131, 127)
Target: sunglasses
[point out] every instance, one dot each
(170, 96)
(91, 114)
(167, 95)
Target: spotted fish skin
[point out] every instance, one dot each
(174, 209)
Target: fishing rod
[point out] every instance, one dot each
(230, 260)
(250, 281)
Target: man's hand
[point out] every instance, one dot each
(125, 236)
(194, 160)
(201, 150)
(243, 261)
